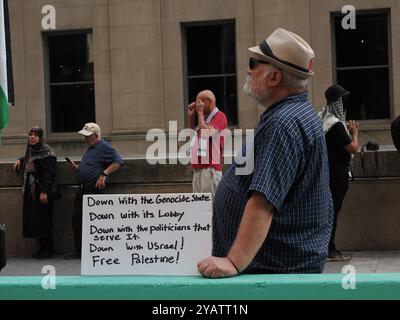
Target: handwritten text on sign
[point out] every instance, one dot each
(149, 234)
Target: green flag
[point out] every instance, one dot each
(4, 106)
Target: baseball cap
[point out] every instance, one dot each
(90, 128)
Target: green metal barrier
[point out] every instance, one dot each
(245, 287)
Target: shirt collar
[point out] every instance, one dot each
(303, 96)
(94, 146)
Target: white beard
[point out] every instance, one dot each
(246, 86)
(261, 97)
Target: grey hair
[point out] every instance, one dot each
(292, 82)
(267, 70)
(288, 80)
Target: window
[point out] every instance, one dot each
(210, 56)
(362, 64)
(70, 80)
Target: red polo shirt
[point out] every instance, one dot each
(215, 150)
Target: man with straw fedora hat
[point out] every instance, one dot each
(277, 218)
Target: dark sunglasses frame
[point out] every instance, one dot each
(253, 63)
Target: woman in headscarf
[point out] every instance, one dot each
(341, 141)
(39, 172)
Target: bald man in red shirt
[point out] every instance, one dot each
(207, 143)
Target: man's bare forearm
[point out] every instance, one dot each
(112, 168)
(253, 231)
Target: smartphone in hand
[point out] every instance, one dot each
(71, 163)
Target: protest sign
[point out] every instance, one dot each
(146, 234)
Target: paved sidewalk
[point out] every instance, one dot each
(26, 266)
(368, 262)
(363, 261)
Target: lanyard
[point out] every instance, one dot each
(211, 115)
(203, 142)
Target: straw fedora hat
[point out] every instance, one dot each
(287, 51)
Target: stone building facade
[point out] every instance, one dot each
(143, 57)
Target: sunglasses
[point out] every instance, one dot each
(253, 63)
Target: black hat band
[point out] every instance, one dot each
(265, 48)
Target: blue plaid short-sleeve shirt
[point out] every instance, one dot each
(291, 171)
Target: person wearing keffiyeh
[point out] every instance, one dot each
(342, 141)
(38, 167)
